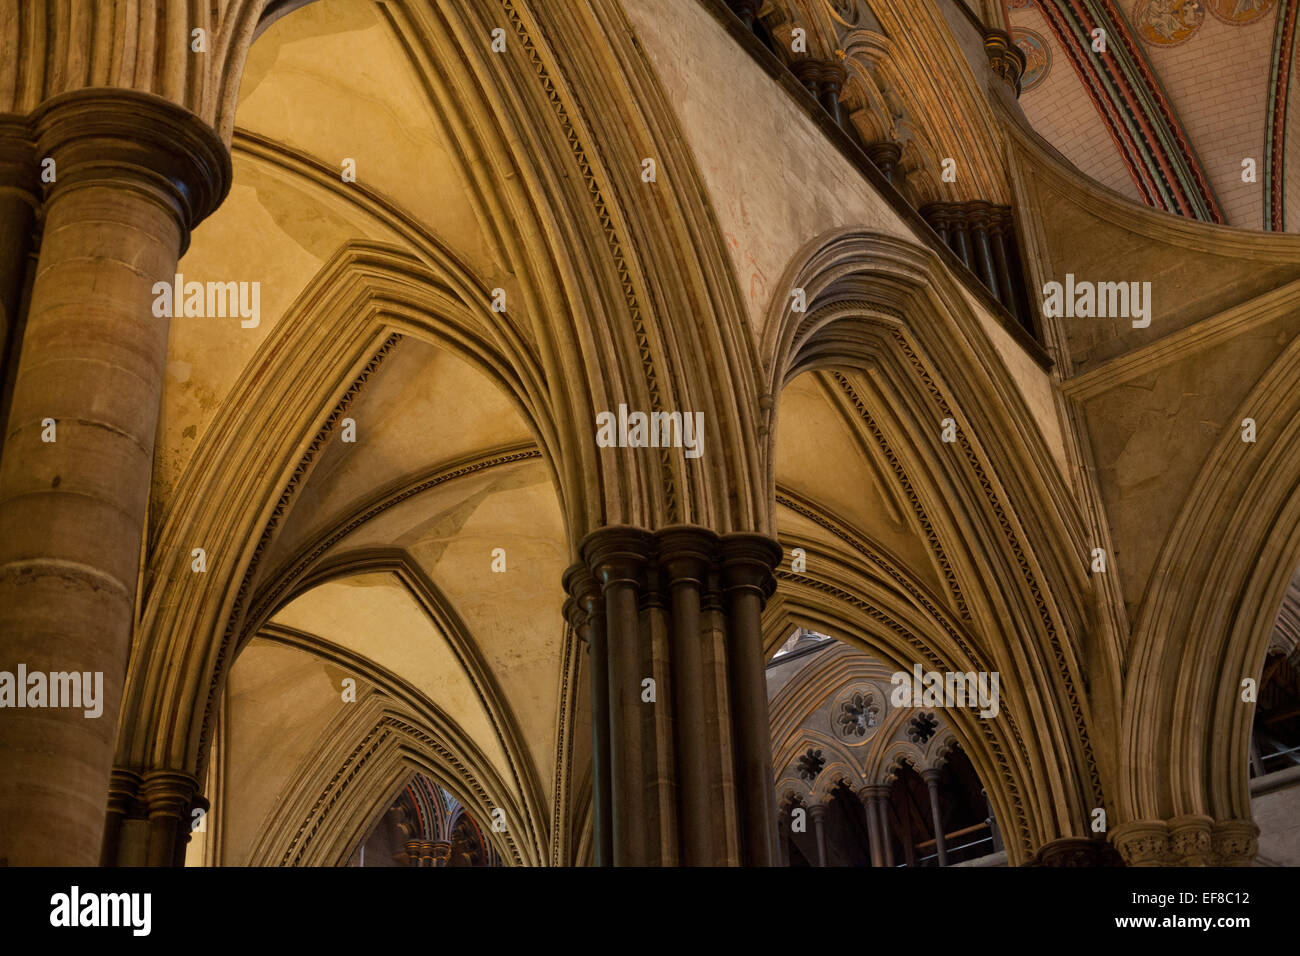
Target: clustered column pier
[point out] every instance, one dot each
(677, 795)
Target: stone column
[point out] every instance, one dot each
(123, 789)
(135, 174)
(617, 557)
(885, 156)
(746, 10)
(992, 821)
(1006, 262)
(823, 79)
(869, 803)
(818, 813)
(908, 840)
(959, 240)
(980, 218)
(686, 554)
(747, 563)
(586, 612)
(168, 799)
(931, 777)
(881, 793)
(829, 85)
(19, 208)
(808, 72)
(666, 602)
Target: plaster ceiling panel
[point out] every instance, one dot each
(515, 616)
(273, 233)
(1152, 433)
(279, 700)
(333, 81)
(819, 456)
(376, 617)
(421, 408)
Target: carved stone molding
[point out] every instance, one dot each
(140, 141)
(1075, 851)
(1006, 59)
(1187, 841)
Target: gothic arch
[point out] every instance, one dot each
(365, 301)
(908, 350)
(530, 805)
(884, 623)
(368, 753)
(1235, 545)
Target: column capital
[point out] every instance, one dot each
(617, 553)
(932, 775)
(413, 852)
(1142, 842)
(168, 792)
(878, 790)
(441, 852)
(1075, 851)
(808, 72)
(748, 560)
(123, 789)
(1001, 220)
(938, 214)
(979, 213)
(687, 552)
(139, 141)
(1234, 843)
(19, 169)
(583, 593)
(1006, 59)
(833, 75)
(1191, 840)
(885, 154)
(817, 811)
(746, 10)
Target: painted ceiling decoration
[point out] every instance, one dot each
(1280, 78)
(1131, 101)
(1186, 92)
(1038, 57)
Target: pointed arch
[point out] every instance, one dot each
(909, 351)
(255, 459)
(1206, 624)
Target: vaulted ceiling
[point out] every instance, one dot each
(1187, 110)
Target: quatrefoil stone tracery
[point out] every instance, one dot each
(857, 715)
